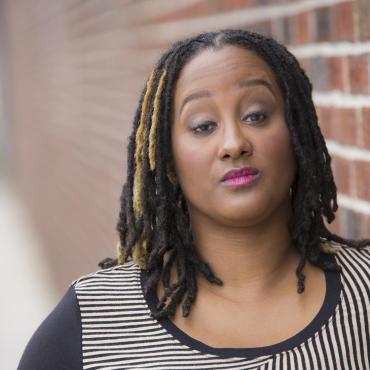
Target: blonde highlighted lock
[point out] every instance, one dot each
(120, 254)
(140, 248)
(139, 147)
(154, 122)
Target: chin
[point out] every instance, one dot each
(248, 214)
(240, 218)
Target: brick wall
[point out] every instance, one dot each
(71, 74)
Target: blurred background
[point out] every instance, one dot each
(70, 75)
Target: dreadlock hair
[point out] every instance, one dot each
(154, 219)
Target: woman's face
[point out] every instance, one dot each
(229, 116)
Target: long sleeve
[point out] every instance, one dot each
(56, 344)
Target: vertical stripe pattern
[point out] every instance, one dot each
(118, 332)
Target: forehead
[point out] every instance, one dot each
(213, 68)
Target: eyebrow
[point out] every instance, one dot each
(256, 82)
(243, 84)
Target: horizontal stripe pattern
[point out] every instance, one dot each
(118, 332)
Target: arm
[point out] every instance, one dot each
(56, 344)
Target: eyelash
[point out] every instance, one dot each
(196, 128)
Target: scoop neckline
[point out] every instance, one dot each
(332, 299)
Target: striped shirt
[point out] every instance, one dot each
(117, 331)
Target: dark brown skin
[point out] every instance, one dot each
(241, 232)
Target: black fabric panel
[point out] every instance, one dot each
(56, 344)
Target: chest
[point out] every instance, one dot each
(225, 325)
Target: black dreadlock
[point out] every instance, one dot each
(154, 219)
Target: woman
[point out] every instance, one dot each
(224, 261)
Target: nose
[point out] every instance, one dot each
(234, 143)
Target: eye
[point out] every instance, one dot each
(255, 117)
(203, 127)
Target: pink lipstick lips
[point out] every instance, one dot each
(240, 176)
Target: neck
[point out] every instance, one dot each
(254, 259)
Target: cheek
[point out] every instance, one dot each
(192, 161)
(278, 149)
(189, 160)
(277, 145)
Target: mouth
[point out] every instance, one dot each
(240, 176)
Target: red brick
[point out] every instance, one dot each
(287, 32)
(304, 64)
(344, 126)
(343, 21)
(342, 174)
(323, 24)
(334, 227)
(363, 24)
(265, 28)
(302, 28)
(324, 115)
(352, 224)
(362, 175)
(230, 5)
(358, 74)
(318, 73)
(338, 73)
(365, 127)
(277, 25)
(201, 8)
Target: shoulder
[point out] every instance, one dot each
(100, 287)
(354, 265)
(120, 274)
(56, 344)
(348, 256)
